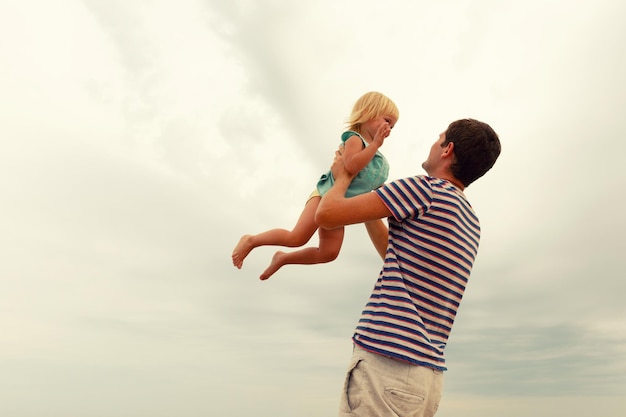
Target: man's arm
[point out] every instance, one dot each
(335, 210)
(379, 235)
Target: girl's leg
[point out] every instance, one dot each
(329, 247)
(301, 234)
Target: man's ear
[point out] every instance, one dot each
(448, 150)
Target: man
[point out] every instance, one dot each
(429, 250)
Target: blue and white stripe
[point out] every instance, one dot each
(433, 240)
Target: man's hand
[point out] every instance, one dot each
(338, 168)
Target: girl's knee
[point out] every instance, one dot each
(329, 256)
(296, 241)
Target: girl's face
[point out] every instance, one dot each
(372, 125)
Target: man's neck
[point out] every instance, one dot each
(458, 184)
(446, 175)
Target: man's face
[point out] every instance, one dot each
(434, 157)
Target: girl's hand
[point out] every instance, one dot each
(383, 131)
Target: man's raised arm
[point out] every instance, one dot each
(335, 210)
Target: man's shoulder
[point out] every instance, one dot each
(419, 186)
(414, 181)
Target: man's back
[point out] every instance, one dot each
(433, 240)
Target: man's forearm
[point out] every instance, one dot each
(330, 206)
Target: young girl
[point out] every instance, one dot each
(373, 116)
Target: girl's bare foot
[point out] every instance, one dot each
(278, 260)
(242, 250)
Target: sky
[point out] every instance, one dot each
(141, 139)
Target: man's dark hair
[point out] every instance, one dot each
(476, 148)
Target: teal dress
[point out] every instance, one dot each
(369, 178)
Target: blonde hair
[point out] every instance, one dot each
(369, 106)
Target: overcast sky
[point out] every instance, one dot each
(141, 139)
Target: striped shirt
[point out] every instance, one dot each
(433, 241)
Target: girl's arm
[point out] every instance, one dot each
(355, 157)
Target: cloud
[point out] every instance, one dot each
(140, 141)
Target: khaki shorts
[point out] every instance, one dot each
(380, 386)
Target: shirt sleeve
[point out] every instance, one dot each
(407, 198)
